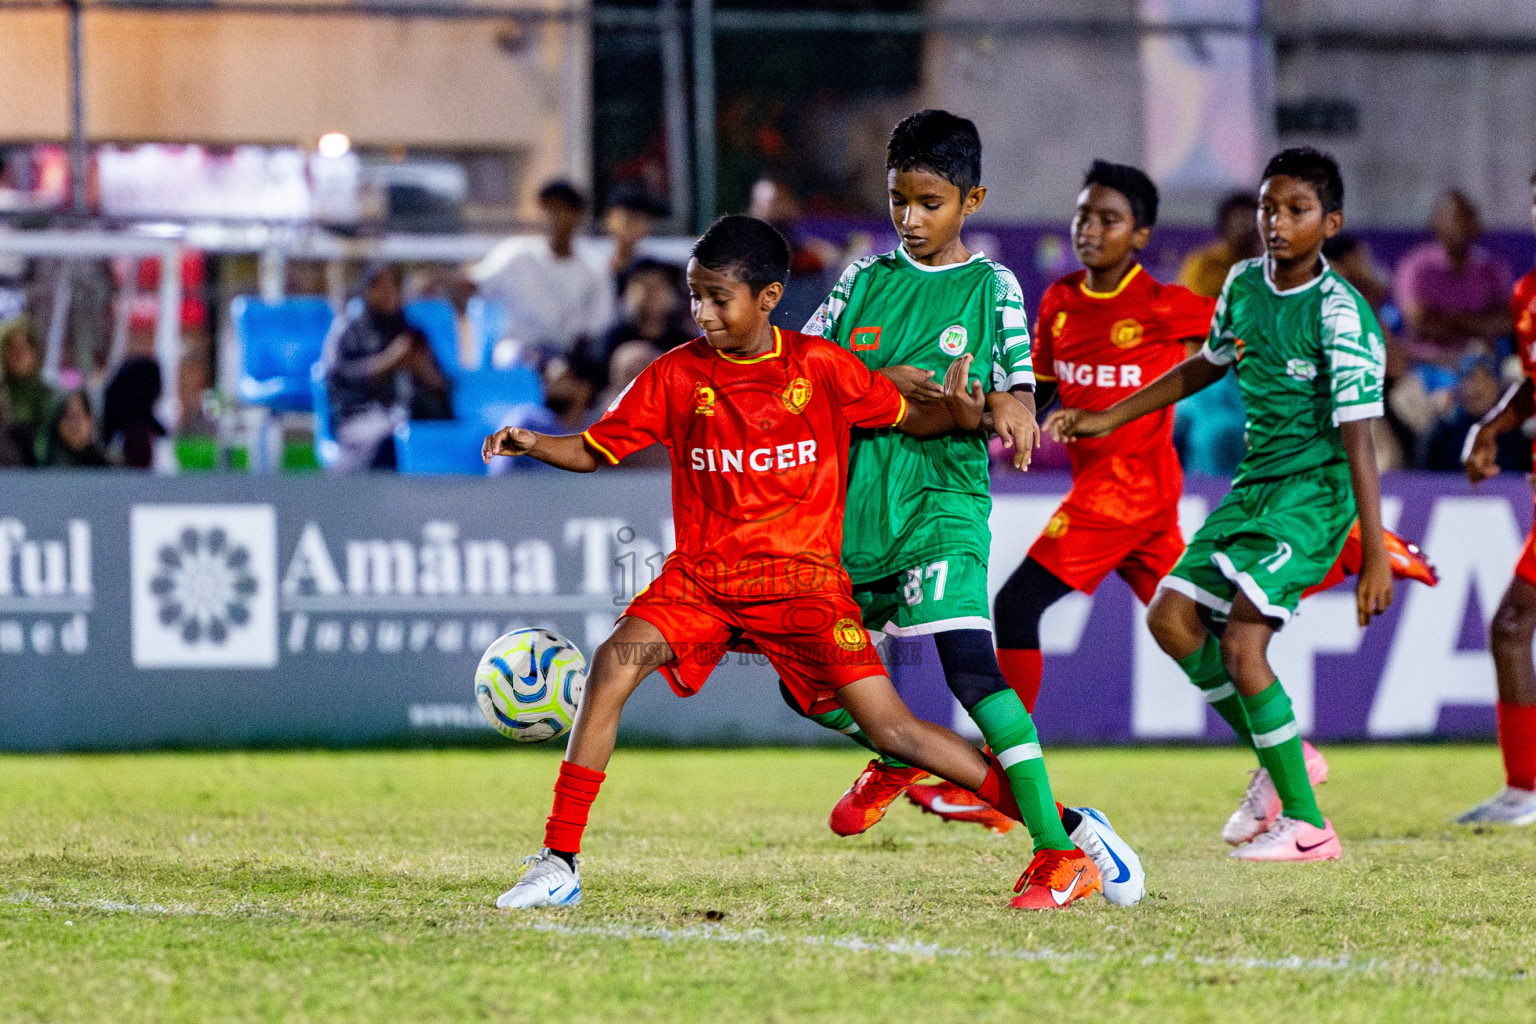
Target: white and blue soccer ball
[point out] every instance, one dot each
(529, 683)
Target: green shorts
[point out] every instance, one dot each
(1271, 540)
(944, 593)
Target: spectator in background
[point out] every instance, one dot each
(1409, 411)
(69, 439)
(1453, 294)
(128, 418)
(1237, 228)
(630, 219)
(550, 297)
(27, 396)
(1477, 391)
(379, 371)
(651, 310)
(1208, 426)
(814, 263)
(10, 451)
(569, 408)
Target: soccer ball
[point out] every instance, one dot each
(529, 683)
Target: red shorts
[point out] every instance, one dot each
(1525, 569)
(814, 640)
(1080, 549)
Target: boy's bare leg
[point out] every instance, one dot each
(892, 727)
(634, 650)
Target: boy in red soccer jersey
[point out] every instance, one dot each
(757, 423)
(1509, 635)
(1103, 333)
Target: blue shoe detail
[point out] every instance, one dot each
(1098, 815)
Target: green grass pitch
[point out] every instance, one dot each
(359, 886)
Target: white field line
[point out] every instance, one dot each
(904, 947)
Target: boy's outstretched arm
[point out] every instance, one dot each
(1194, 374)
(1479, 455)
(1373, 592)
(563, 451)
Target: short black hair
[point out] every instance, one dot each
(1131, 182)
(631, 197)
(937, 141)
(746, 248)
(1247, 202)
(646, 265)
(1316, 168)
(563, 192)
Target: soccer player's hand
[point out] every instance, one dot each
(508, 441)
(963, 396)
(1067, 425)
(914, 384)
(1016, 427)
(1373, 592)
(1481, 462)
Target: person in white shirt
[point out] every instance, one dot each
(551, 298)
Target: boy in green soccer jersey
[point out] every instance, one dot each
(916, 536)
(1310, 363)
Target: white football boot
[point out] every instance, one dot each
(1510, 806)
(1261, 804)
(548, 882)
(1125, 883)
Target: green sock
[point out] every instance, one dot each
(1278, 742)
(1010, 732)
(841, 721)
(1206, 671)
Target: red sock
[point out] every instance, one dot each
(1517, 739)
(1022, 669)
(575, 790)
(995, 790)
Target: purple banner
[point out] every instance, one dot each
(1422, 669)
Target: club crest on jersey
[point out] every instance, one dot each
(1125, 333)
(953, 340)
(850, 636)
(703, 400)
(797, 395)
(1058, 525)
(1300, 369)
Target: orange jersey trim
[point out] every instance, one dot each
(1127, 279)
(778, 350)
(586, 435)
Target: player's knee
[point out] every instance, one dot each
(1244, 656)
(1512, 627)
(1174, 624)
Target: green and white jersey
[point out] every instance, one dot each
(909, 499)
(1308, 359)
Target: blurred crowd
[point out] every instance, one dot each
(587, 328)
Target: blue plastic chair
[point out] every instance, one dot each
(440, 446)
(279, 342)
(481, 402)
(436, 319)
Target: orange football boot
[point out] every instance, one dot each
(1408, 562)
(1056, 878)
(871, 793)
(952, 803)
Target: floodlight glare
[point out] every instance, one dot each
(334, 144)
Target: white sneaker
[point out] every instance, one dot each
(548, 882)
(1510, 806)
(1261, 804)
(1125, 883)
